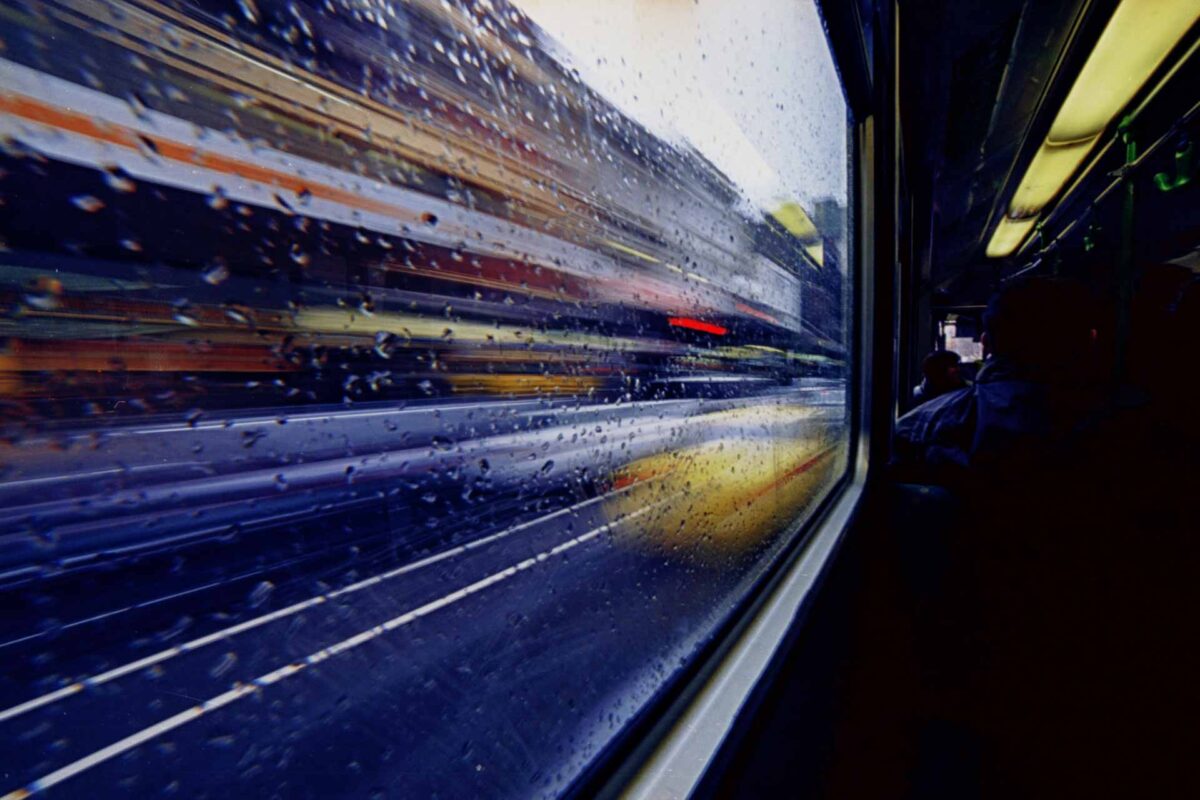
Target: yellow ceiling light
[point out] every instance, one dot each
(1009, 235)
(1132, 47)
(1135, 42)
(1049, 171)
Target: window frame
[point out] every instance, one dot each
(669, 746)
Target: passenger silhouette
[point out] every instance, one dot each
(1015, 449)
(1035, 392)
(1070, 556)
(940, 371)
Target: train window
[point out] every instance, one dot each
(397, 396)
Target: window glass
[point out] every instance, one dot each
(397, 396)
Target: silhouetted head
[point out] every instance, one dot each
(940, 370)
(1043, 324)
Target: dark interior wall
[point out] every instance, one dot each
(846, 714)
(839, 717)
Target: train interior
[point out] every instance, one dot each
(532, 398)
(1033, 639)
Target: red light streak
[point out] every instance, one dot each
(697, 325)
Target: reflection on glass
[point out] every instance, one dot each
(396, 396)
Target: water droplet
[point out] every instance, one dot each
(179, 312)
(137, 104)
(148, 147)
(89, 203)
(181, 625)
(118, 180)
(249, 10)
(216, 274)
(384, 342)
(227, 662)
(45, 294)
(262, 592)
(224, 740)
(237, 314)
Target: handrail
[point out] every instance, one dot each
(1120, 175)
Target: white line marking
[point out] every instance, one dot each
(240, 690)
(129, 742)
(242, 627)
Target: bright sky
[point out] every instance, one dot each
(750, 83)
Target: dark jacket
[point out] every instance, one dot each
(1008, 413)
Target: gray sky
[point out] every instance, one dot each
(750, 83)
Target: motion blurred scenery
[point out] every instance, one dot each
(398, 389)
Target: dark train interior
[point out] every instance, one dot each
(1063, 664)
(599, 398)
